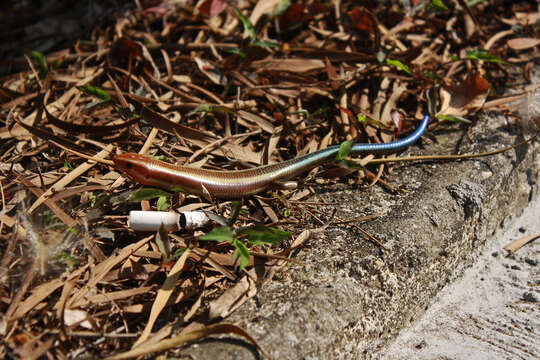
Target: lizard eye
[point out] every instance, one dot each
(129, 165)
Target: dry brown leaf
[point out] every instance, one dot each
(103, 268)
(82, 129)
(522, 18)
(71, 176)
(523, 43)
(113, 296)
(293, 65)
(268, 210)
(257, 119)
(211, 72)
(49, 135)
(189, 337)
(262, 7)
(42, 292)
(386, 117)
(217, 261)
(163, 295)
(517, 244)
(193, 309)
(468, 96)
(75, 316)
(233, 298)
(51, 204)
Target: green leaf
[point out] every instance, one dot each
(483, 55)
(207, 108)
(366, 120)
(163, 243)
(302, 112)
(236, 51)
(67, 258)
(178, 253)
(42, 62)
(344, 150)
(399, 65)
(264, 235)
(242, 251)
(281, 8)
(95, 92)
(161, 158)
(121, 198)
(432, 75)
(147, 194)
(98, 200)
(236, 206)
(439, 5)
(248, 26)
(472, 3)
(350, 164)
(264, 44)
(221, 220)
(68, 166)
(57, 63)
(163, 203)
(361, 118)
(453, 118)
(223, 233)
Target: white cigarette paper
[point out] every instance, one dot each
(152, 220)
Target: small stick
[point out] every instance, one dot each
(517, 244)
(451, 157)
(87, 157)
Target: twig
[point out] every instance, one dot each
(87, 157)
(517, 244)
(451, 157)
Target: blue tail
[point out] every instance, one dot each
(392, 146)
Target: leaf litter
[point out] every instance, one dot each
(230, 85)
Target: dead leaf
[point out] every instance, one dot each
(523, 43)
(234, 297)
(183, 338)
(263, 7)
(163, 295)
(467, 97)
(79, 317)
(211, 72)
(517, 244)
(293, 65)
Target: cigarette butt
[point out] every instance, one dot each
(152, 220)
(190, 220)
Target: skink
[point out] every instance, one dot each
(236, 184)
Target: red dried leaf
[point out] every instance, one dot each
(466, 97)
(217, 7)
(157, 10)
(124, 48)
(204, 7)
(295, 15)
(83, 129)
(474, 85)
(363, 20)
(212, 8)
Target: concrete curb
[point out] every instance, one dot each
(352, 298)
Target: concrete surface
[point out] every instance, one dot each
(492, 311)
(351, 298)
